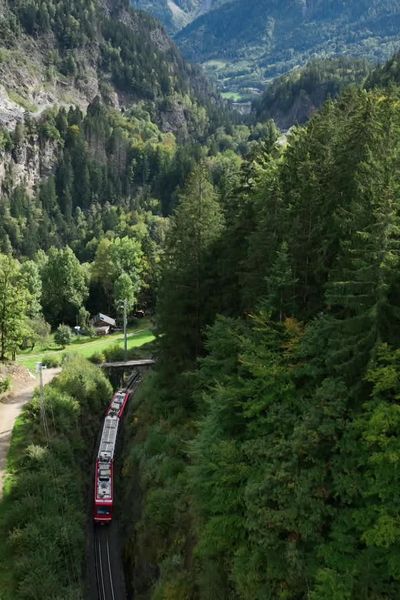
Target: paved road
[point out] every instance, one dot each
(10, 410)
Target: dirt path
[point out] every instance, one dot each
(10, 409)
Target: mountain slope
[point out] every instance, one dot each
(247, 42)
(176, 14)
(103, 48)
(294, 98)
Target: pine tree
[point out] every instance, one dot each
(281, 285)
(184, 308)
(364, 287)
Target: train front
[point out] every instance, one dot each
(103, 500)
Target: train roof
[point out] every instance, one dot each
(104, 487)
(108, 439)
(117, 403)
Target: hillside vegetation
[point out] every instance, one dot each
(63, 52)
(292, 99)
(266, 442)
(247, 43)
(86, 188)
(43, 513)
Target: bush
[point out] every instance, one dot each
(51, 362)
(90, 331)
(63, 335)
(97, 358)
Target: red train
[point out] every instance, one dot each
(118, 404)
(104, 470)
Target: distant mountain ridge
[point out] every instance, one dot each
(176, 14)
(248, 42)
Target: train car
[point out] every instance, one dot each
(104, 472)
(104, 492)
(118, 404)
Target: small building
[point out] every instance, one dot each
(103, 324)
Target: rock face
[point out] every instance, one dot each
(27, 85)
(28, 163)
(124, 57)
(176, 14)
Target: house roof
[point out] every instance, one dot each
(105, 319)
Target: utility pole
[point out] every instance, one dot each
(126, 329)
(39, 368)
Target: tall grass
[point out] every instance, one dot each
(42, 515)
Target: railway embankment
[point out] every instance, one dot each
(22, 387)
(43, 513)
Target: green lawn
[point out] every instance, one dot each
(232, 96)
(87, 347)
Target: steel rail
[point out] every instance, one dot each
(103, 564)
(110, 571)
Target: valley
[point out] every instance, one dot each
(237, 233)
(244, 45)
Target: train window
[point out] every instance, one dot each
(103, 511)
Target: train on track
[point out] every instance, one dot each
(104, 468)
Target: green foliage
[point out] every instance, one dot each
(98, 358)
(49, 481)
(385, 75)
(183, 295)
(5, 384)
(118, 268)
(37, 332)
(63, 335)
(32, 281)
(267, 444)
(64, 286)
(244, 46)
(51, 362)
(14, 302)
(293, 98)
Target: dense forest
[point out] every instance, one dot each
(260, 457)
(89, 229)
(266, 440)
(293, 98)
(245, 43)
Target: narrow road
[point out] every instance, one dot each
(10, 409)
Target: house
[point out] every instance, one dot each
(103, 324)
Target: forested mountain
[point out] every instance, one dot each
(94, 180)
(292, 99)
(94, 167)
(386, 74)
(244, 43)
(266, 442)
(102, 48)
(261, 457)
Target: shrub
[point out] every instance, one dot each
(51, 362)
(114, 353)
(63, 335)
(97, 358)
(90, 331)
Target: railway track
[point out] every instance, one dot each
(107, 559)
(104, 566)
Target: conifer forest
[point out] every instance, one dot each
(256, 244)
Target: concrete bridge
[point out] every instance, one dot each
(129, 364)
